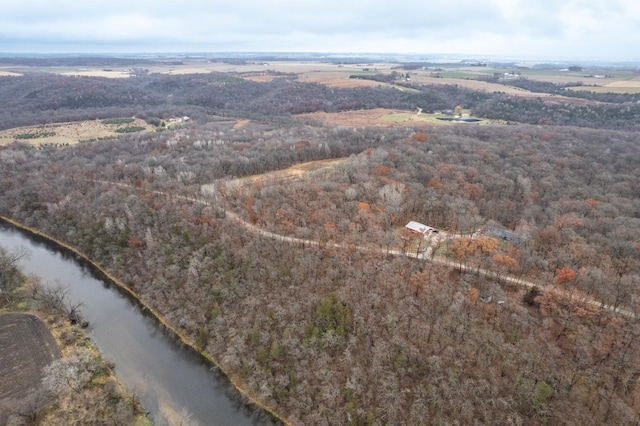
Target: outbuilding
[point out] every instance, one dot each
(419, 228)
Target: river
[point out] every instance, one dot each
(173, 383)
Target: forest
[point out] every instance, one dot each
(302, 286)
(38, 98)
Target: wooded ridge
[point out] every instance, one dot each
(331, 334)
(37, 98)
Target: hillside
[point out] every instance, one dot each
(331, 327)
(35, 98)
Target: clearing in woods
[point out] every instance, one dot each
(371, 117)
(382, 117)
(67, 133)
(293, 172)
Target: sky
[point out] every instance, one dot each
(607, 30)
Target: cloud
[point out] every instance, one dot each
(590, 28)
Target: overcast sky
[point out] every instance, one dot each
(554, 29)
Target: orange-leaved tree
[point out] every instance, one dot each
(565, 275)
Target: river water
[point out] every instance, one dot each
(174, 385)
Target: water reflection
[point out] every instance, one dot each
(172, 382)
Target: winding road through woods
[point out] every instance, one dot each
(575, 296)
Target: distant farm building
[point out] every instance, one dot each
(418, 228)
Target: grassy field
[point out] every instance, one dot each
(384, 117)
(61, 134)
(412, 118)
(369, 117)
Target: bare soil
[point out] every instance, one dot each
(26, 347)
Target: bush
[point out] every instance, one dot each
(130, 129)
(35, 135)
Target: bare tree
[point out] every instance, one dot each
(9, 274)
(72, 372)
(56, 296)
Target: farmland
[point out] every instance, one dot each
(26, 347)
(62, 134)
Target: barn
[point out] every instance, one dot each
(419, 228)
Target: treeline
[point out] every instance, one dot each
(44, 98)
(330, 335)
(41, 98)
(550, 112)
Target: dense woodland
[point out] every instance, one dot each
(353, 334)
(370, 337)
(38, 98)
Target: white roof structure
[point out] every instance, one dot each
(418, 227)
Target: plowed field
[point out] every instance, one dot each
(26, 346)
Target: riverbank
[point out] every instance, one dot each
(52, 374)
(245, 397)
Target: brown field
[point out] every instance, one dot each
(568, 78)
(337, 79)
(471, 84)
(608, 89)
(67, 133)
(635, 83)
(631, 85)
(292, 172)
(330, 79)
(98, 73)
(379, 117)
(338, 74)
(203, 66)
(26, 347)
(496, 87)
(334, 75)
(369, 117)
